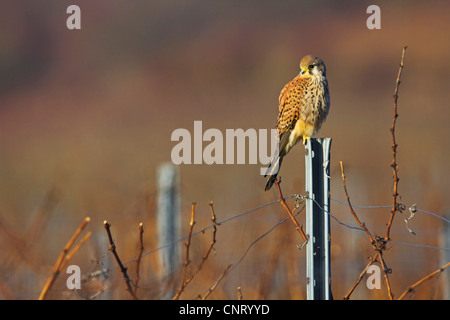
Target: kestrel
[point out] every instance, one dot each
(303, 107)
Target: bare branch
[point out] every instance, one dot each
(185, 281)
(141, 250)
(361, 276)
(379, 244)
(214, 286)
(431, 275)
(394, 150)
(123, 269)
(239, 293)
(362, 225)
(60, 262)
(213, 241)
(289, 212)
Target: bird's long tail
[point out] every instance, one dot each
(272, 172)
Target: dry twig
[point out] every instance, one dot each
(64, 257)
(362, 225)
(141, 250)
(75, 249)
(379, 244)
(431, 275)
(239, 293)
(289, 212)
(186, 280)
(394, 165)
(213, 241)
(214, 286)
(361, 276)
(112, 248)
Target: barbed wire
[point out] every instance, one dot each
(299, 205)
(402, 206)
(376, 207)
(299, 199)
(262, 236)
(168, 244)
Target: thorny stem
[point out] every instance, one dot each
(394, 149)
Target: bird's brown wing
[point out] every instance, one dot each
(289, 112)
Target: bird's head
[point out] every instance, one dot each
(312, 65)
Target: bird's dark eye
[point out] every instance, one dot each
(311, 66)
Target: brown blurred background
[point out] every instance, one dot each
(89, 114)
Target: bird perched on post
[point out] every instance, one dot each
(304, 103)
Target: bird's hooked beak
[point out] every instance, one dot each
(303, 70)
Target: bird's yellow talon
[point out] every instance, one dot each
(305, 139)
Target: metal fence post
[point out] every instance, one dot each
(317, 166)
(169, 222)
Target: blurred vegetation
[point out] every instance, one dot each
(90, 113)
